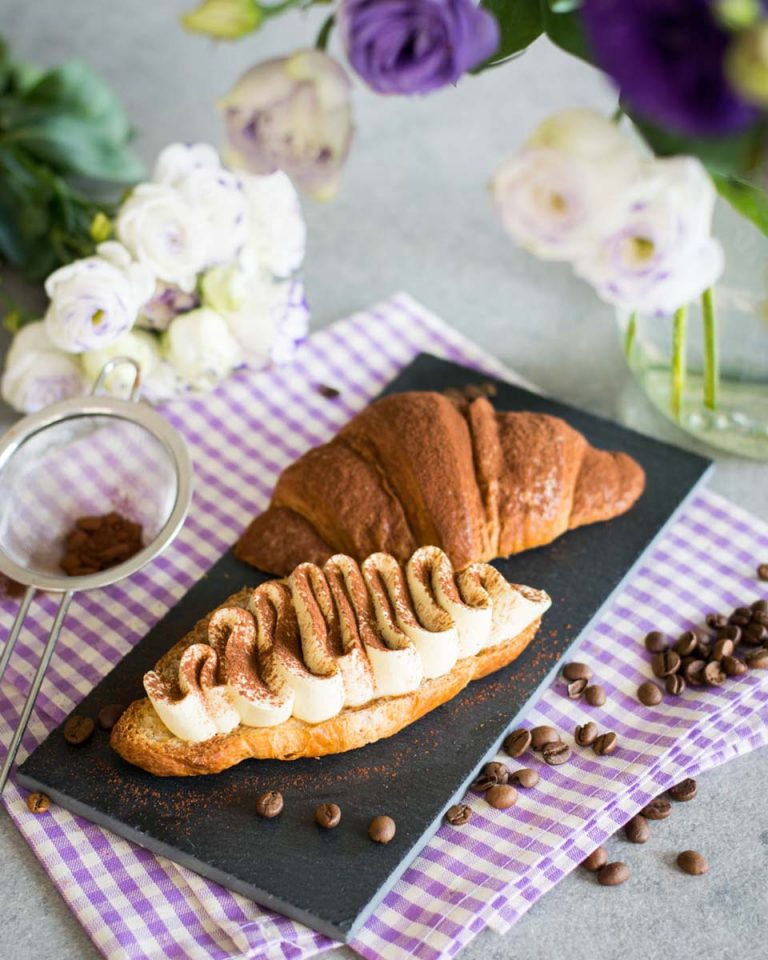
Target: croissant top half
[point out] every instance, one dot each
(416, 469)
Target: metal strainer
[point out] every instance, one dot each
(83, 457)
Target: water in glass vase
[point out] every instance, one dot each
(715, 385)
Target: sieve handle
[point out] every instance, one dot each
(53, 636)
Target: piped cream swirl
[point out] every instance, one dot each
(335, 637)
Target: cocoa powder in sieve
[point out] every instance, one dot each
(98, 543)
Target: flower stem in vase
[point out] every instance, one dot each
(679, 360)
(711, 358)
(629, 336)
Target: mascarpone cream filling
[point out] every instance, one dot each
(336, 637)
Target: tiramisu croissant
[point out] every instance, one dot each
(326, 660)
(416, 468)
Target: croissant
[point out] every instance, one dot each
(327, 660)
(417, 468)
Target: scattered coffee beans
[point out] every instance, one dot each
(741, 616)
(502, 796)
(78, 730)
(492, 775)
(686, 643)
(723, 648)
(694, 673)
(458, 814)
(517, 742)
(649, 694)
(595, 695)
(327, 391)
(734, 667)
(556, 753)
(637, 829)
(606, 743)
(658, 809)
(382, 829)
(716, 620)
(665, 663)
(692, 863)
(109, 715)
(655, 642)
(586, 734)
(713, 674)
(328, 815)
(577, 671)
(597, 859)
(612, 874)
(683, 791)
(270, 804)
(576, 688)
(758, 659)
(674, 684)
(542, 735)
(525, 778)
(38, 802)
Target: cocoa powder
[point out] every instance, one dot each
(98, 543)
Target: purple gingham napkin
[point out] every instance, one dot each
(136, 905)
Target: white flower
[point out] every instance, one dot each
(561, 190)
(660, 255)
(96, 300)
(277, 235)
(201, 349)
(264, 315)
(166, 302)
(178, 160)
(162, 231)
(142, 347)
(37, 373)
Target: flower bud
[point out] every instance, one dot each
(747, 64)
(224, 19)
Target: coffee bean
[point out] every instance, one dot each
(674, 684)
(542, 735)
(734, 667)
(759, 619)
(713, 674)
(655, 642)
(605, 744)
(716, 620)
(458, 814)
(694, 673)
(741, 616)
(686, 643)
(637, 830)
(683, 791)
(38, 802)
(703, 649)
(723, 648)
(269, 804)
(758, 659)
(658, 809)
(382, 829)
(662, 664)
(595, 695)
(109, 715)
(692, 863)
(760, 606)
(577, 671)
(78, 730)
(556, 753)
(326, 391)
(328, 815)
(597, 859)
(612, 874)
(649, 694)
(731, 632)
(755, 634)
(502, 796)
(525, 778)
(492, 775)
(576, 688)
(586, 734)
(517, 742)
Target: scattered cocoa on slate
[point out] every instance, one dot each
(98, 543)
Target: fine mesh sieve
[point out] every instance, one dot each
(83, 457)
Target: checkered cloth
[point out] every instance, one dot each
(136, 905)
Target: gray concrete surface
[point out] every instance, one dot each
(413, 214)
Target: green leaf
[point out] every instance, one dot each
(519, 23)
(565, 30)
(747, 199)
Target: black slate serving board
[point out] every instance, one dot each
(333, 880)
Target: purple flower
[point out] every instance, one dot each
(414, 46)
(667, 57)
